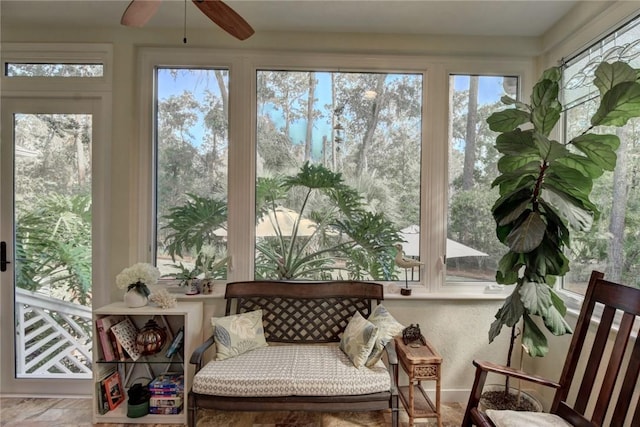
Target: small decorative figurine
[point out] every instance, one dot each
(404, 262)
(411, 333)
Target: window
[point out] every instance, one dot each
(191, 171)
(612, 245)
(53, 70)
(312, 190)
(472, 247)
(338, 174)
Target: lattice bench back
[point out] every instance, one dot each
(309, 312)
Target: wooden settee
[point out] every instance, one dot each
(301, 314)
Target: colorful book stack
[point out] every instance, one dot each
(167, 392)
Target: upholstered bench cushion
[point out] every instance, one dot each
(290, 370)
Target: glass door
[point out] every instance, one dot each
(46, 233)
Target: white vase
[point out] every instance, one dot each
(133, 299)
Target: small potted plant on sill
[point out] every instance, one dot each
(187, 276)
(211, 269)
(544, 191)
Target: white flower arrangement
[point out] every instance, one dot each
(138, 277)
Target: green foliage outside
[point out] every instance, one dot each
(545, 189)
(345, 231)
(348, 241)
(53, 247)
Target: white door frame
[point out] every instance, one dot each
(93, 104)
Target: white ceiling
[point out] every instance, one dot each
(430, 17)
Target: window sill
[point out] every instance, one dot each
(452, 293)
(391, 292)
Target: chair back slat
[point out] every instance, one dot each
(611, 365)
(575, 347)
(627, 389)
(595, 357)
(613, 368)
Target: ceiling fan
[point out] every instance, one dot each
(139, 12)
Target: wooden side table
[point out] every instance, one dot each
(420, 363)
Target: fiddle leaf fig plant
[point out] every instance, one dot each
(544, 190)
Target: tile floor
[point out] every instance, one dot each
(36, 412)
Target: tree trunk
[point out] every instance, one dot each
(310, 101)
(223, 93)
(373, 123)
(618, 210)
(470, 146)
(333, 123)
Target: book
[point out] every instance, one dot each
(126, 333)
(176, 343)
(103, 326)
(167, 384)
(114, 390)
(164, 410)
(102, 373)
(166, 401)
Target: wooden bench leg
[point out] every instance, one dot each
(395, 410)
(192, 408)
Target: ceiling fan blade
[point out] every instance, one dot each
(139, 12)
(226, 18)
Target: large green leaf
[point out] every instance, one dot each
(508, 266)
(608, 75)
(512, 178)
(545, 94)
(570, 180)
(507, 100)
(527, 235)
(555, 323)
(536, 297)
(553, 73)
(515, 213)
(509, 314)
(507, 120)
(549, 150)
(516, 142)
(511, 163)
(569, 207)
(506, 204)
(533, 339)
(618, 105)
(555, 224)
(545, 117)
(600, 149)
(581, 164)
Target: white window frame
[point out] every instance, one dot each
(574, 300)
(243, 67)
(58, 53)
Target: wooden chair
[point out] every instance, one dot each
(602, 394)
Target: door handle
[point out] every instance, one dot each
(3, 256)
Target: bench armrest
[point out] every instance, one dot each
(198, 353)
(392, 361)
(392, 356)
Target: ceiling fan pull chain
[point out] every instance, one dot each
(184, 40)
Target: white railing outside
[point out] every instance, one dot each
(53, 337)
